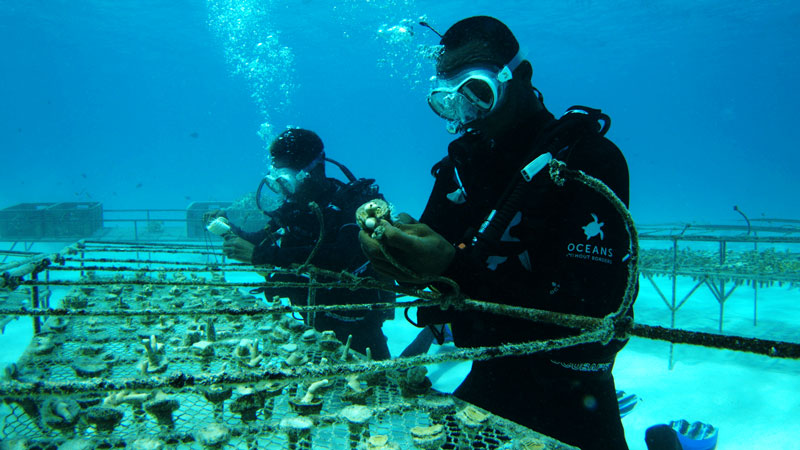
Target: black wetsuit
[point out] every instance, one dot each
(564, 251)
(340, 251)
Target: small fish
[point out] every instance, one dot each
(83, 192)
(139, 184)
(187, 197)
(83, 175)
(194, 134)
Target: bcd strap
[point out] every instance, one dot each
(576, 123)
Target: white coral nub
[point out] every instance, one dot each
(312, 391)
(369, 214)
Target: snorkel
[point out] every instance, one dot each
(426, 25)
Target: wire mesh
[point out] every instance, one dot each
(171, 350)
(80, 355)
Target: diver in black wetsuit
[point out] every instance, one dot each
(532, 244)
(298, 174)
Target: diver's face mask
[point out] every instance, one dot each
(471, 94)
(285, 181)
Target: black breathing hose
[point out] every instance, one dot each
(510, 203)
(258, 194)
(350, 177)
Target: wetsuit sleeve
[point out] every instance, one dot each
(440, 213)
(264, 252)
(253, 237)
(339, 249)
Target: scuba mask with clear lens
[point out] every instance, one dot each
(471, 94)
(284, 182)
(468, 96)
(281, 185)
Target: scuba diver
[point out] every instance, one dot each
(297, 175)
(497, 225)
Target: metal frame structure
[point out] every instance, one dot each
(138, 259)
(93, 271)
(724, 270)
(719, 278)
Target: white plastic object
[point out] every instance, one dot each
(219, 226)
(535, 166)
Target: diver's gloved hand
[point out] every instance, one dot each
(208, 216)
(412, 244)
(238, 249)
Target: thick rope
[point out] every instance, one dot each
(315, 371)
(318, 213)
(614, 326)
(559, 173)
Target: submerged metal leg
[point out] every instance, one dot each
(311, 316)
(37, 324)
(721, 296)
(755, 288)
(755, 303)
(14, 244)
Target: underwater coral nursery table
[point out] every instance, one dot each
(100, 377)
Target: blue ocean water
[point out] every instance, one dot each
(156, 104)
(160, 103)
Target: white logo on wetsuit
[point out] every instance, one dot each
(594, 228)
(590, 252)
